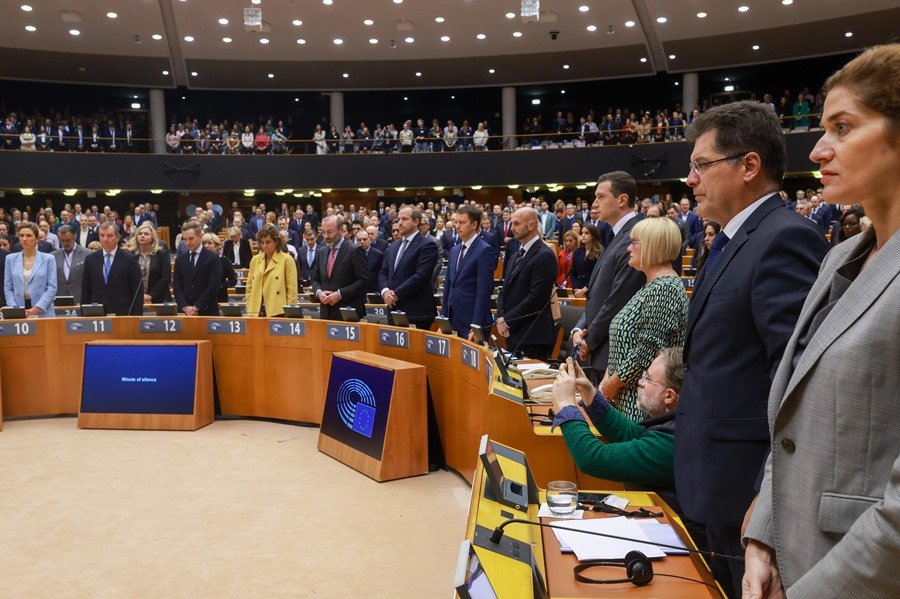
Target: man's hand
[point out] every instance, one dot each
(191, 311)
(148, 299)
(502, 327)
(583, 384)
(564, 387)
(390, 298)
(581, 292)
(746, 521)
(329, 298)
(761, 577)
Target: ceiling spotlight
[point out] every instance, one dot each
(661, 20)
(643, 59)
(74, 32)
(517, 34)
(592, 28)
(584, 8)
(755, 46)
(677, 83)
(327, 2)
(701, 15)
(296, 99)
(744, 8)
(565, 66)
(787, 2)
(452, 97)
(405, 98)
(264, 40)
(26, 8)
(671, 57)
(848, 34)
(445, 38)
(398, 1)
(30, 28)
(373, 40)
(368, 22)
(481, 36)
(165, 72)
(111, 15)
(510, 15)
(491, 71)
(337, 41)
(536, 102)
(193, 73)
(271, 75)
(156, 36)
(301, 41)
(345, 75)
(296, 22)
(727, 78)
(189, 38)
(418, 73)
(409, 40)
(439, 19)
(227, 40)
(255, 1)
(562, 91)
(223, 21)
(629, 23)
(729, 88)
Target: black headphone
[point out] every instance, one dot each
(637, 566)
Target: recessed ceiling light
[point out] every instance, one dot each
(337, 41)
(271, 75)
(223, 21)
(743, 8)
(701, 15)
(755, 47)
(156, 36)
(452, 97)
(30, 28)
(296, 22)
(729, 88)
(536, 102)
(193, 73)
(398, 1)
(629, 23)
(787, 2)
(135, 96)
(848, 34)
(183, 98)
(677, 83)
(661, 20)
(418, 73)
(301, 41)
(405, 98)
(227, 40)
(592, 28)
(74, 32)
(165, 72)
(491, 71)
(517, 34)
(81, 69)
(111, 15)
(368, 22)
(584, 8)
(409, 40)
(296, 99)
(643, 59)
(345, 75)
(373, 40)
(562, 91)
(445, 38)
(565, 66)
(26, 8)
(256, 1)
(727, 78)
(264, 40)
(189, 38)
(439, 19)
(327, 2)
(481, 36)
(510, 15)
(671, 57)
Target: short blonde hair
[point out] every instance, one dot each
(660, 240)
(211, 237)
(132, 244)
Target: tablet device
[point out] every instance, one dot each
(93, 310)
(292, 311)
(166, 309)
(230, 309)
(349, 314)
(12, 313)
(443, 325)
(399, 318)
(471, 581)
(61, 301)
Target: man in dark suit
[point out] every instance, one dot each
(198, 276)
(341, 276)
(745, 305)
(296, 223)
(504, 228)
(307, 257)
(449, 237)
(293, 238)
(820, 212)
(3, 254)
(470, 275)
(257, 221)
(523, 306)
(566, 222)
(606, 232)
(70, 259)
(405, 278)
(693, 222)
(378, 242)
(612, 281)
(112, 276)
(487, 235)
(374, 258)
(310, 217)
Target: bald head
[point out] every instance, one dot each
(525, 224)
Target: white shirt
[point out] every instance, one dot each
(740, 218)
(621, 222)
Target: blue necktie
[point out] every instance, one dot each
(715, 250)
(107, 265)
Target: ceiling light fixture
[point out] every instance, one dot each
(755, 47)
(848, 34)
(445, 38)
(592, 28)
(491, 71)
(255, 1)
(787, 2)
(346, 75)
(264, 40)
(373, 40)
(165, 72)
(510, 15)
(296, 22)
(743, 8)
(227, 40)
(327, 2)
(26, 8)
(409, 40)
(439, 19)
(337, 41)
(643, 59)
(629, 23)
(565, 66)
(301, 41)
(677, 83)
(30, 28)
(729, 88)
(189, 38)
(223, 21)
(481, 36)
(517, 34)
(671, 57)
(193, 73)
(111, 15)
(156, 36)
(584, 8)
(74, 32)
(368, 22)
(271, 75)
(701, 15)
(661, 20)
(418, 73)
(398, 1)
(562, 91)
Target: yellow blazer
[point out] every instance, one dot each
(275, 283)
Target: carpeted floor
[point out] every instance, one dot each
(240, 508)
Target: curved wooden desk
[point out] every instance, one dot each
(277, 368)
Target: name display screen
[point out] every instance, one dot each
(139, 379)
(357, 404)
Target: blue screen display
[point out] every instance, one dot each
(139, 379)
(357, 404)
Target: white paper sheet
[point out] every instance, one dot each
(587, 546)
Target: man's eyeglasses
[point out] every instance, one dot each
(698, 167)
(646, 378)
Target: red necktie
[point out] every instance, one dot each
(331, 255)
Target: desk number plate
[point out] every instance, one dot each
(470, 357)
(160, 325)
(18, 329)
(287, 328)
(438, 346)
(393, 338)
(223, 326)
(343, 332)
(94, 326)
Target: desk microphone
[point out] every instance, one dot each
(137, 291)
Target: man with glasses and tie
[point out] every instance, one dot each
(341, 275)
(406, 272)
(746, 301)
(112, 276)
(198, 275)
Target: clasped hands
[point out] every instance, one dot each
(329, 298)
(390, 298)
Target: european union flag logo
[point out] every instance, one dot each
(364, 420)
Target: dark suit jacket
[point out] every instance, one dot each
(123, 293)
(411, 279)
(160, 276)
(500, 228)
(448, 240)
(467, 290)
(375, 260)
(490, 238)
(312, 219)
(693, 222)
(45, 246)
(380, 244)
(3, 255)
(611, 284)
(229, 279)
(350, 276)
(304, 270)
(526, 290)
(198, 285)
(245, 250)
(741, 316)
(92, 235)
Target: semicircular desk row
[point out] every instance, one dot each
(278, 368)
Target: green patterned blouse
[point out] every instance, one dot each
(653, 319)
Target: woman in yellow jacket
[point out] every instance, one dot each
(272, 276)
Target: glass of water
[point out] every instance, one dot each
(562, 497)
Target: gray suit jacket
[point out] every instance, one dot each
(72, 285)
(830, 499)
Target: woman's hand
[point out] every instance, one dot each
(33, 311)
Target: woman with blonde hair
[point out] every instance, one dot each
(272, 276)
(653, 319)
(155, 263)
(212, 242)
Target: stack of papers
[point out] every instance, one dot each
(588, 547)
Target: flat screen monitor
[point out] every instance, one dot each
(93, 310)
(166, 309)
(12, 313)
(292, 311)
(471, 581)
(62, 301)
(444, 325)
(349, 314)
(357, 404)
(139, 379)
(230, 310)
(374, 298)
(399, 319)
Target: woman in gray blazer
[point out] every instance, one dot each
(826, 522)
(29, 279)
